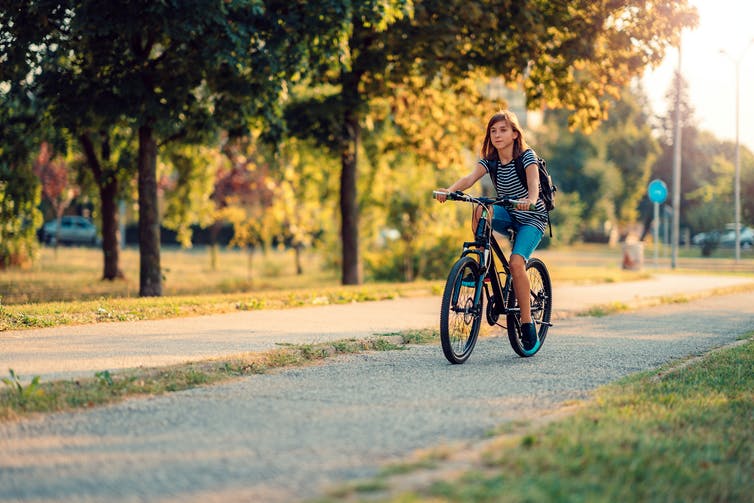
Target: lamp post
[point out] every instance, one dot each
(737, 175)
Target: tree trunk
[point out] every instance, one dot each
(349, 210)
(108, 191)
(408, 260)
(107, 182)
(298, 249)
(214, 232)
(150, 274)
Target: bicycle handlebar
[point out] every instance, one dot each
(486, 201)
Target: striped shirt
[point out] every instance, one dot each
(507, 184)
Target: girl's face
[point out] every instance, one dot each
(502, 135)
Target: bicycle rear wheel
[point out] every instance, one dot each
(461, 311)
(540, 300)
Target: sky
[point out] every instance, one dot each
(711, 76)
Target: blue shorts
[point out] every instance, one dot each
(527, 236)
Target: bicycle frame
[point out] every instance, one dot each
(484, 247)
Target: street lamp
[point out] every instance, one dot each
(737, 176)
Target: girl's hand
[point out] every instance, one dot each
(526, 205)
(441, 195)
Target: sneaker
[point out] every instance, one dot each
(529, 337)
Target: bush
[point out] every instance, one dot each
(432, 261)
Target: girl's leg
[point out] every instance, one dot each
(475, 220)
(527, 239)
(521, 286)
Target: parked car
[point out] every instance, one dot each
(73, 230)
(705, 237)
(728, 237)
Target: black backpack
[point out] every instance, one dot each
(546, 188)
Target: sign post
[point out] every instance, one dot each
(658, 192)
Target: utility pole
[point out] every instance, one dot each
(737, 175)
(676, 165)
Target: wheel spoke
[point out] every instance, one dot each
(459, 319)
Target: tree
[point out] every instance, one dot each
(565, 53)
(20, 125)
(109, 155)
(55, 178)
(193, 171)
(303, 193)
(605, 172)
(244, 194)
(633, 148)
(171, 73)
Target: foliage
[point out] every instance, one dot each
(710, 205)
(19, 216)
(19, 187)
(605, 172)
(23, 394)
(244, 193)
(747, 185)
(303, 189)
(633, 148)
(566, 221)
(55, 177)
(189, 174)
(437, 119)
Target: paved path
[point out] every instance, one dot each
(82, 350)
(290, 435)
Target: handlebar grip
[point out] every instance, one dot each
(436, 193)
(532, 207)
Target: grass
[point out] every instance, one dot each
(681, 433)
(74, 274)
(104, 387)
(49, 314)
(64, 288)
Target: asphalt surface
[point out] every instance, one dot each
(291, 435)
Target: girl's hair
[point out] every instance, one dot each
(489, 151)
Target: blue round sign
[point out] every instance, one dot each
(657, 191)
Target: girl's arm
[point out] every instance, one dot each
(532, 181)
(465, 182)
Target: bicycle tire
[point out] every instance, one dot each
(461, 315)
(540, 299)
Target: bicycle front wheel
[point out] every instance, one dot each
(540, 300)
(461, 311)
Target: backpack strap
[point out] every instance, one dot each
(492, 170)
(521, 172)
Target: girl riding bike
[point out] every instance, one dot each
(503, 144)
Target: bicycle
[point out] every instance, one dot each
(476, 276)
